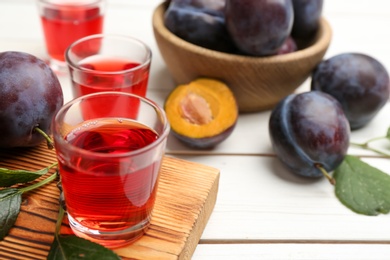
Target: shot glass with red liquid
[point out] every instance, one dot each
(108, 63)
(65, 21)
(109, 165)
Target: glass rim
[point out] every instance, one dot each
(58, 137)
(70, 4)
(75, 66)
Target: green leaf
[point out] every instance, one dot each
(362, 188)
(72, 247)
(10, 200)
(11, 177)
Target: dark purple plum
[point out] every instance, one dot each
(308, 130)
(199, 22)
(30, 95)
(259, 27)
(307, 15)
(214, 8)
(359, 82)
(288, 46)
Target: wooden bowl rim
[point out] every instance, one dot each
(321, 44)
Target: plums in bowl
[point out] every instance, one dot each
(358, 81)
(30, 95)
(199, 22)
(307, 15)
(288, 46)
(259, 27)
(309, 131)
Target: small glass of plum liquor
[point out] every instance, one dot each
(108, 63)
(65, 21)
(109, 165)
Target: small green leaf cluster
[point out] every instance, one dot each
(361, 187)
(11, 198)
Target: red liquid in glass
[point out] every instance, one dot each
(110, 194)
(66, 24)
(96, 79)
(134, 81)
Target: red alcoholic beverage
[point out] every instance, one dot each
(115, 193)
(101, 73)
(109, 164)
(107, 73)
(101, 63)
(66, 22)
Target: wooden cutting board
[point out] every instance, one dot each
(185, 200)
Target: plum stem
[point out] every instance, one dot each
(61, 214)
(366, 146)
(39, 184)
(50, 143)
(326, 174)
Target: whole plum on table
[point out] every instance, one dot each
(309, 131)
(200, 22)
(307, 15)
(30, 95)
(359, 82)
(259, 27)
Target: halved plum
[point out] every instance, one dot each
(202, 113)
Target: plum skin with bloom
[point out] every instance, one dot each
(307, 15)
(200, 22)
(30, 96)
(358, 81)
(309, 130)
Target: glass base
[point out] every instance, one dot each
(109, 239)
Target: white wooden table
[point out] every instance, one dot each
(262, 211)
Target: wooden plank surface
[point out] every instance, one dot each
(185, 200)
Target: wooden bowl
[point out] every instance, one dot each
(258, 83)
